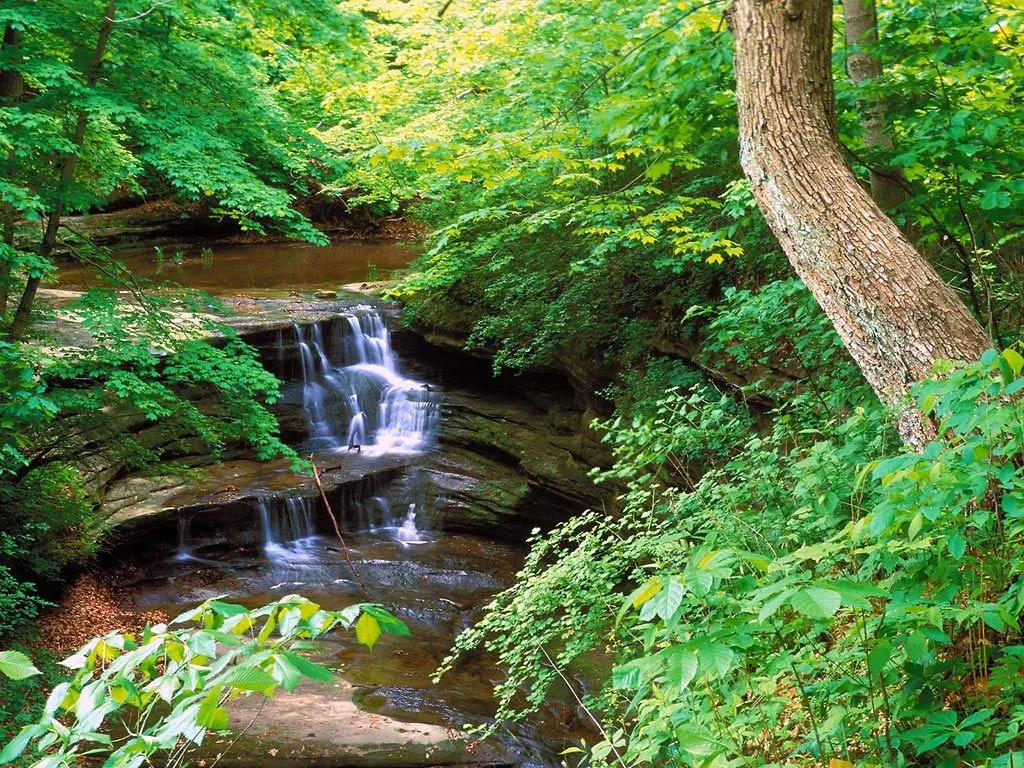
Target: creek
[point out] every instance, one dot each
(360, 411)
(259, 268)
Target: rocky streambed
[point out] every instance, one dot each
(437, 472)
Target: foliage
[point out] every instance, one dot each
(578, 162)
(549, 144)
(22, 700)
(865, 600)
(196, 98)
(199, 101)
(166, 689)
(949, 89)
(779, 560)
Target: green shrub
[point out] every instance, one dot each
(807, 593)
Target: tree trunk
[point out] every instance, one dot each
(893, 312)
(12, 86)
(861, 22)
(66, 174)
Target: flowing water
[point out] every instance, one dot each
(289, 536)
(356, 401)
(354, 396)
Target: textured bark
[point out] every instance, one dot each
(65, 175)
(12, 87)
(893, 312)
(861, 23)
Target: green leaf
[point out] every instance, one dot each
(879, 657)
(716, 658)
(665, 603)
(659, 169)
(16, 746)
(1015, 360)
(915, 526)
(16, 665)
(286, 674)
(916, 646)
(772, 606)
(368, 630)
(978, 717)
(246, 678)
(309, 669)
(964, 738)
(211, 715)
(632, 674)
(682, 665)
(226, 609)
(1005, 370)
(956, 545)
(816, 602)
(388, 623)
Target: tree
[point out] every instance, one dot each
(861, 26)
(65, 175)
(12, 86)
(894, 313)
(199, 101)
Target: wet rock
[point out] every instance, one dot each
(514, 453)
(326, 294)
(321, 725)
(222, 500)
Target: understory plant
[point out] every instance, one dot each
(805, 592)
(165, 691)
(155, 377)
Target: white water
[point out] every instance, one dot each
(184, 538)
(354, 396)
(407, 533)
(289, 533)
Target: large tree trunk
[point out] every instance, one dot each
(861, 23)
(65, 175)
(893, 312)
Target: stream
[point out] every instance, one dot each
(360, 408)
(259, 268)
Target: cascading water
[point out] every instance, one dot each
(407, 533)
(353, 394)
(184, 538)
(289, 534)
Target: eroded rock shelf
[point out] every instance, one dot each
(433, 521)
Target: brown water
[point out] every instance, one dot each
(260, 268)
(437, 586)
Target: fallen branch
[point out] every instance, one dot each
(337, 529)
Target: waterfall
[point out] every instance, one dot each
(353, 394)
(407, 532)
(184, 538)
(288, 529)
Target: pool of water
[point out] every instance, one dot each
(266, 268)
(436, 586)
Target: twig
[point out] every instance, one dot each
(337, 529)
(142, 15)
(240, 734)
(579, 701)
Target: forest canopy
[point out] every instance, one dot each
(774, 246)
